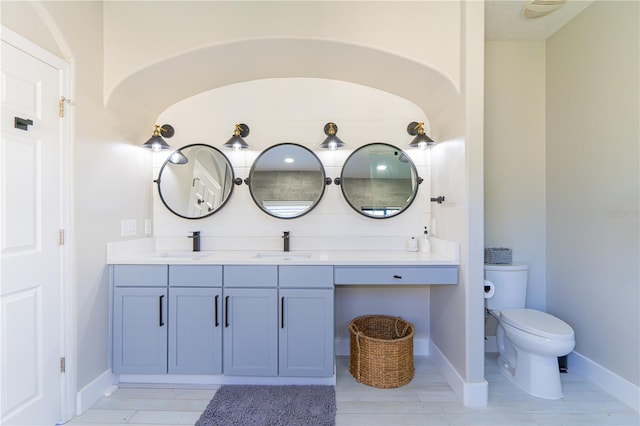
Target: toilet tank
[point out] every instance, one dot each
(510, 283)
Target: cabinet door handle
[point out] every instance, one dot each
(282, 312)
(215, 309)
(226, 311)
(160, 310)
(398, 277)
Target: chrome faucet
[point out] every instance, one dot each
(285, 237)
(196, 240)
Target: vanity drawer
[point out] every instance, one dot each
(250, 276)
(140, 275)
(195, 275)
(414, 275)
(306, 276)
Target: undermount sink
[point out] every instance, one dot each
(283, 256)
(195, 255)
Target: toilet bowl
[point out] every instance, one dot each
(529, 341)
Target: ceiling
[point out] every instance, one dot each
(504, 20)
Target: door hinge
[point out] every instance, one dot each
(61, 105)
(62, 365)
(61, 237)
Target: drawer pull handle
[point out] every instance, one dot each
(226, 311)
(398, 277)
(282, 312)
(215, 314)
(160, 310)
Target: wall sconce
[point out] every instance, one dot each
(237, 142)
(156, 143)
(332, 141)
(421, 139)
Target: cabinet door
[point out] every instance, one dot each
(140, 330)
(306, 333)
(250, 332)
(195, 330)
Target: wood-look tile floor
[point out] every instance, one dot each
(426, 400)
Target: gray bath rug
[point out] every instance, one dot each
(258, 405)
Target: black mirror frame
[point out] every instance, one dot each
(158, 181)
(339, 181)
(247, 181)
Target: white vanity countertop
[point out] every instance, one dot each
(282, 258)
(146, 251)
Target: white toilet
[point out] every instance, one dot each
(529, 341)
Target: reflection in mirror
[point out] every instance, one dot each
(195, 181)
(379, 180)
(287, 180)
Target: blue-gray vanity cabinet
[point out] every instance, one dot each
(140, 330)
(306, 320)
(139, 335)
(390, 275)
(195, 329)
(306, 332)
(250, 333)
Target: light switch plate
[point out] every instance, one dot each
(147, 227)
(128, 227)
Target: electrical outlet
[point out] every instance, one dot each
(433, 227)
(147, 227)
(128, 228)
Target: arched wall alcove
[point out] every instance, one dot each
(139, 98)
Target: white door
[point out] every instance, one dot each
(205, 191)
(30, 290)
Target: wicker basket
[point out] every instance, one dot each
(381, 352)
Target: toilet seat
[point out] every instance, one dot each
(537, 323)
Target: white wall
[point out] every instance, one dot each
(514, 172)
(295, 110)
(457, 170)
(592, 159)
(204, 47)
(425, 31)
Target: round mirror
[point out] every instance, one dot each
(379, 180)
(195, 181)
(287, 180)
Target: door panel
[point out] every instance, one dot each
(250, 332)
(30, 292)
(195, 330)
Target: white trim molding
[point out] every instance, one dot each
(609, 381)
(472, 394)
(103, 385)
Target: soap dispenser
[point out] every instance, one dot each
(425, 244)
(412, 244)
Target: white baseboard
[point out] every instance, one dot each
(104, 384)
(609, 381)
(472, 394)
(420, 347)
(197, 380)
